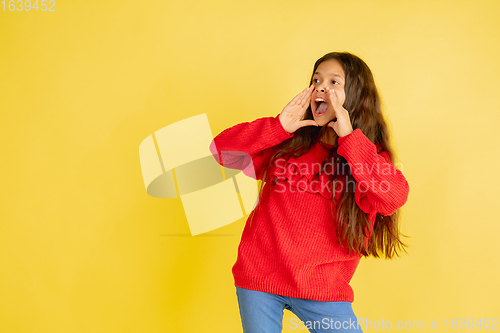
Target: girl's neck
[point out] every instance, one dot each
(329, 136)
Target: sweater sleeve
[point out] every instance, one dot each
(248, 145)
(380, 187)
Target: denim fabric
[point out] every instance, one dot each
(263, 313)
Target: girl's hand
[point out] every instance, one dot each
(343, 125)
(292, 114)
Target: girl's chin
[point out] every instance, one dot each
(323, 120)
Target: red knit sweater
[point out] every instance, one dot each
(291, 248)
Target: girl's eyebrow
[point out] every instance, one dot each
(333, 74)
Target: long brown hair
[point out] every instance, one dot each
(363, 104)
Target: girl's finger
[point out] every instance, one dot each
(299, 99)
(331, 92)
(296, 98)
(303, 123)
(306, 98)
(302, 96)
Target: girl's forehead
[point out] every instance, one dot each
(331, 67)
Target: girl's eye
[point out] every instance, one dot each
(317, 80)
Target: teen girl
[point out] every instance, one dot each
(332, 195)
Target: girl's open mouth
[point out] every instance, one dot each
(320, 106)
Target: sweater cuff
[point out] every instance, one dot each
(355, 144)
(279, 130)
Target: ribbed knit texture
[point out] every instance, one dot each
(291, 248)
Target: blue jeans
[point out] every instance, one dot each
(263, 313)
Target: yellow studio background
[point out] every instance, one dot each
(84, 248)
